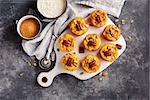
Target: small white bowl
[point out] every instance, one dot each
(44, 14)
(23, 19)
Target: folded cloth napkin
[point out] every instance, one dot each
(113, 7)
(38, 46)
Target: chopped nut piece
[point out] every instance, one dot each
(108, 32)
(108, 52)
(91, 64)
(104, 74)
(67, 43)
(78, 26)
(70, 61)
(81, 49)
(119, 46)
(98, 18)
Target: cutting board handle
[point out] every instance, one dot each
(45, 79)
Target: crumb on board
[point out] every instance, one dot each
(81, 73)
(81, 49)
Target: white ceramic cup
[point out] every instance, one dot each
(23, 19)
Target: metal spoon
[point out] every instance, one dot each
(46, 63)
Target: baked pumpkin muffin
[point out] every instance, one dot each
(66, 43)
(98, 18)
(70, 61)
(112, 33)
(90, 63)
(78, 26)
(109, 52)
(92, 42)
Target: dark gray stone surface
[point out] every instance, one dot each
(128, 77)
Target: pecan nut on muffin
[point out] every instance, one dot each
(78, 26)
(98, 18)
(67, 43)
(90, 63)
(109, 52)
(70, 62)
(112, 33)
(92, 42)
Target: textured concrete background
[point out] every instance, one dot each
(128, 77)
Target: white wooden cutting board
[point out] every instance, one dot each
(58, 69)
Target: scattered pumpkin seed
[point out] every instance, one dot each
(100, 79)
(122, 22)
(54, 92)
(132, 21)
(34, 64)
(100, 74)
(117, 20)
(81, 73)
(104, 74)
(21, 74)
(129, 37)
(29, 63)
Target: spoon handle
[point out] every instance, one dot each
(51, 45)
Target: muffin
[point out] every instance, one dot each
(109, 52)
(98, 18)
(111, 33)
(66, 43)
(70, 62)
(92, 42)
(90, 63)
(78, 26)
